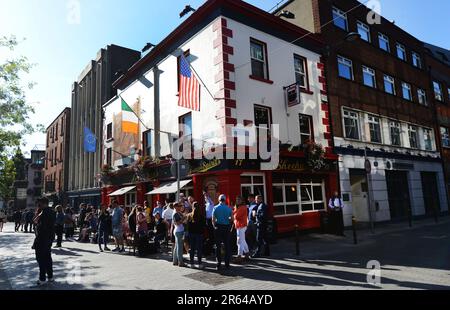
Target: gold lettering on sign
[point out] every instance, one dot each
(206, 166)
(287, 166)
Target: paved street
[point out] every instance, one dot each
(417, 258)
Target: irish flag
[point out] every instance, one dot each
(130, 122)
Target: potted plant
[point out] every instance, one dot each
(315, 155)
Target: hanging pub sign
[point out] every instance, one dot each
(292, 95)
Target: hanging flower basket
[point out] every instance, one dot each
(315, 156)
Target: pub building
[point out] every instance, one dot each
(252, 77)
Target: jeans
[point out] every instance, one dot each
(196, 244)
(44, 259)
(103, 237)
(250, 236)
(222, 235)
(210, 241)
(178, 248)
(241, 243)
(261, 239)
(59, 234)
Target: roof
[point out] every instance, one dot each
(66, 109)
(439, 53)
(238, 10)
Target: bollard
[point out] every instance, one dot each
(355, 237)
(297, 241)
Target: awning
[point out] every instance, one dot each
(169, 188)
(122, 191)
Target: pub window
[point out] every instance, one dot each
(428, 139)
(413, 137)
(130, 199)
(395, 130)
(389, 84)
(345, 68)
(383, 42)
(109, 131)
(306, 128)
(422, 95)
(340, 19)
(147, 142)
(445, 137)
(258, 55)
(351, 125)
(375, 129)
(263, 121)
(109, 157)
(253, 184)
(301, 77)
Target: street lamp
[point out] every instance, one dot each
(352, 36)
(187, 10)
(287, 14)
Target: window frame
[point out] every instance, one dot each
(366, 29)
(385, 38)
(265, 62)
(380, 127)
(109, 131)
(421, 93)
(441, 93)
(415, 56)
(306, 73)
(373, 74)
(401, 48)
(415, 129)
(356, 118)
(341, 14)
(399, 127)
(109, 157)
(388, 77)
(444, 145)
(341, 60)
(311, 127)
(430, 133)
(407, 86)
(144, 143)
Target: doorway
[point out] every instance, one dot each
(398, 194)
(430, 193)
(360, 194)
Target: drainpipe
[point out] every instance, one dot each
(156, 114)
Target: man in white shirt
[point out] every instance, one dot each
(336, 207)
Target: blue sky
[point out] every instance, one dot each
(61, 49)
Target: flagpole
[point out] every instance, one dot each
(135, 114)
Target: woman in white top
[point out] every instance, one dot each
(178, 231)
(167, 218)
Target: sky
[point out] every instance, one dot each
(61, 43)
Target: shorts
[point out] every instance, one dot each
(117, 231)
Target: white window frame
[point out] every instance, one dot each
(360, 26)
(428, 132)
(385, 38)
(264, 56)
(253, 184)
(445, 136)
(348, 114)
(346, 62)
(372, 119)
(413, 129)
(401, 48)
(342, 15)
(416, 60)
(389, 79)
(130, 199)
(438, 94)
(422, 97)
(371, 72)
(304, 73)
(407, 86)
(395, 124)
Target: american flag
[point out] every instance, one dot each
(189, 96)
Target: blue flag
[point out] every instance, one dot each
(90, 141)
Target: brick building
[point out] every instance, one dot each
(438, 61)
(381, 109)
(57, 158)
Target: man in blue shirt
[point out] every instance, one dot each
(262, 215)
(222, 217)
(116, 219)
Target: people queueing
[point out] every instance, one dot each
(69, 223)
(336, 207)
(117, 226)
(104, 227)
(222, 220)
(196, 222)
(29, 215)
(178, 231)
(59, 226)
(3, 219)
(45, 234)
(17, 218)
(262, 243)
(160, 229)
(209, 207)
(240, 223)
(250, 235)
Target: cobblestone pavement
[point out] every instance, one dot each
(417, 258)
